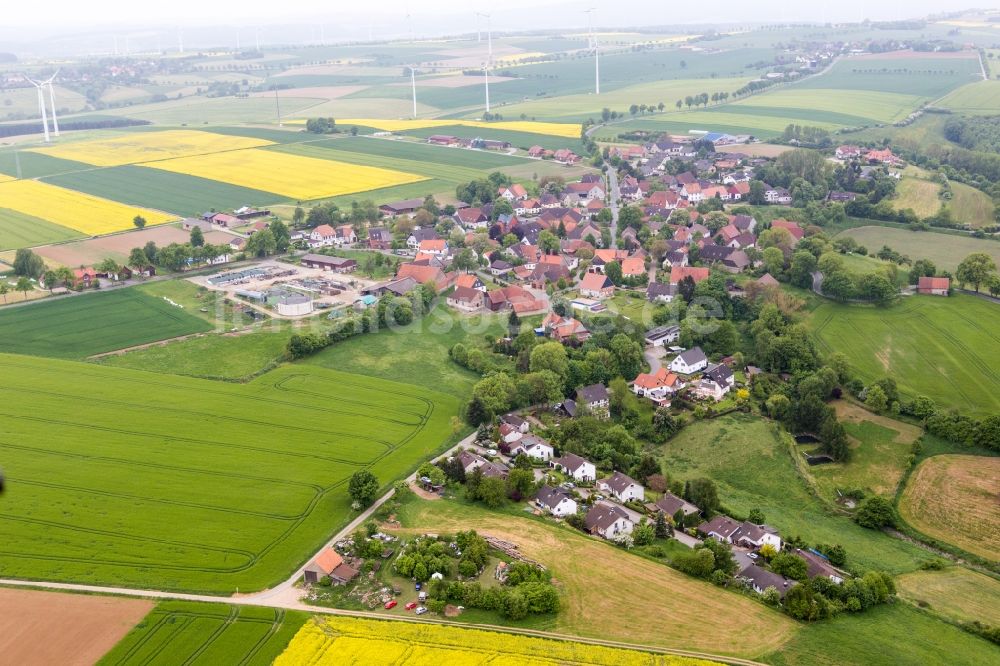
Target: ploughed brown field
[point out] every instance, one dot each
(46, 628)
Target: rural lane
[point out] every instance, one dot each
(614, 196)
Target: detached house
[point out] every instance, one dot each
(322, 236)
(690, 361)
(746, 534)
(623, 487)
(466, 299)
(608, 521)
(595, 397)
(579, 468)
(596, 285)
(760, 579)
(670, 504)
(515, 192)
(715, 383)
(533, 447)
(656, 386)
(565, 329)
(555, 501)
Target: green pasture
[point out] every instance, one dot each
(184, 632)
(979, 98)
(918, 194)
(971, 206)
(35, 165)
(18, 230)
(163, 190)
(942, 347)
(893, 635)
(517, 139)
(200, 111)
(177, 483)
(752, 462)
(80, 326)
(927, 77)
(945, 250)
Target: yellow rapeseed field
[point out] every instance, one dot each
(344, 640)
(293, 176)
(148, 146)
(85, 213)
(565, 130)
(4, 178)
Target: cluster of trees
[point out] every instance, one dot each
(363, 489)
(492, 490)
(323, 126)
(330, 213)
(814, 137)
(28, 264)
(423, 557)
(821, 598)
(482, 190)
(528, 590)
(974, 132)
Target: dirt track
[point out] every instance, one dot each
(39, 627)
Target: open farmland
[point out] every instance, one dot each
(956, 593)
(39, 627)
(178, 632)
(979, 98)
(753, 463)
(293, 176)
(919, 195)
(564, 130)
(945, 250)
(971, 206)
(78, 326)
(18, 230)
(147, 147)
(943, 348)
(186, 484)
(87, 214)
(954, 498)
(925, 75)
(27, 164)
(163, 190)
(345, 640)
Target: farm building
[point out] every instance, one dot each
(293, 305)
(335, 264)
(936, 286)
(323, 565)
(404, 207)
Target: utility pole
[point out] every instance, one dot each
(277, 106)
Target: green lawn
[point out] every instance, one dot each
(896, 635)
(177, 483)
(417, 354)
(945, 250)
(944, 348)
(177, 632)
(80, 326)
(163, 190)
(751, 461)
(18, 230)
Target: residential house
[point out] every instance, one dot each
(692, 192)
(512, 193)
(423, 274)
(419, 235)
(937, 286)
(882, 157)
(84, 277)
(604, 257)
(759, 579)
(516, 422)
(596, 285)
(470, 280)
(633, 267)
(608, 521)
(500, 268)
(579, 468)
(470, 462)
(840, 196)
(531, 446)
(659, 292)
(466, 299)
(556, 501)
(623, 487)
(656, 386)
(696, 273)
(745, 223)
(471, 218)
(437, 247)
(345, 236)
(778, 195)
(322, 236)
(793, 228)
(670, 504)
(379, 238)
(595, 397)
(536, 151)
(565, 156)
(565, 329)
(744, 533)
(509, 434)
(715, 383)
(818, 566)
(662, 335)
(767, 280)
(527, 207)
(847, 152)
(689, 362)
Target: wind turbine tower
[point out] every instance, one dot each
(592, 44)
(486, 79)
(489, 35)
(41, 107)
(52, 102)
(413, 85)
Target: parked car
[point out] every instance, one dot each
(752, 556)
(421, 610)
(417, 587)
(411, 605)
(491, 452)
(390, 604)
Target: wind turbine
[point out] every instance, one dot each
(489, 34)
(52, 102)
(592, 44)
(413, 85)
(590, 27)
(486, 79)
(41, 106)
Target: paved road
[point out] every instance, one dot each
(614, 197)
(817, 282)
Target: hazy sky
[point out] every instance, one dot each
(509, 14)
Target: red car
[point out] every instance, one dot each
(411, 605)
(390, 604)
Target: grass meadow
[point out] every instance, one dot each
(604, 587)
(945, 250)
(178, 483)
(752, 462)
(953, 498)
(979, 98)
(75, 327)
(179, 632)
(18, 230)
(956, 593)
(35, 165)
(944, 348)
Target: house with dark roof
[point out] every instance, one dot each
(531, 446)
(715, 382)
(744, 533)
(379, 238)
(759, 579)
(595, 397)
(659, 292)
(556, 501)
(608, 521)
(818, 566)
(689, 362)
(623, 487)
(670, 504)
(470, 462)
(577, 467)
(419, 235)
(662, 335)
(335, 264)
(466, 299)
